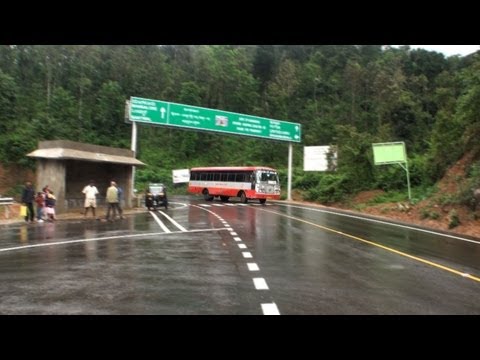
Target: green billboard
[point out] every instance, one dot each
(392, 153)
(193, 117)
(389, 153)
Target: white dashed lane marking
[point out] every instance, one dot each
(270, 309)
(260, 284)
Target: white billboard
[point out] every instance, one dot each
(181, 176)
(319, 158)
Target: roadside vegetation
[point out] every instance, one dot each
(349, 96)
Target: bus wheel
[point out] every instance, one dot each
(243, 197)
(224, 198)
(207, 196)
(262, 201)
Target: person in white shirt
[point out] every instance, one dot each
(90, 192)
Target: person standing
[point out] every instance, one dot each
(119, 194)
(28, 197)
(112, 200)
(90, 192)
(50, 201)
(40, 200)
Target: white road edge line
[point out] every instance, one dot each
(180, 227)
(176, 208)
(159, 222)
(381, 222)
(103, 238)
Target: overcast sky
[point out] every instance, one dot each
(449, 50)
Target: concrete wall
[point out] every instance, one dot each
(52, 173)
(13, 175)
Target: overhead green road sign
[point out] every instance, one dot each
(171, 114)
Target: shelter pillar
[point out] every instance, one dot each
(52, 173)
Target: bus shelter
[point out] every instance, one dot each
(68, 166)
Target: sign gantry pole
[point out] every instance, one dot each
(133, 145)
(290, 156)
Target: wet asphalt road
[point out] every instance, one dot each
(229, 258)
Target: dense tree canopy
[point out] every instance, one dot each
(348, 95)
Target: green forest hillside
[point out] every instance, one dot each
(345, 95)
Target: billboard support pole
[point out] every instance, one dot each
(408, 179)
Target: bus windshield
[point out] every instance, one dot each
(267, 176)
(156, 189)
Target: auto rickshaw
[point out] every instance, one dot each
(156, 196)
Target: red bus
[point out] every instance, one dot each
(246, 182)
